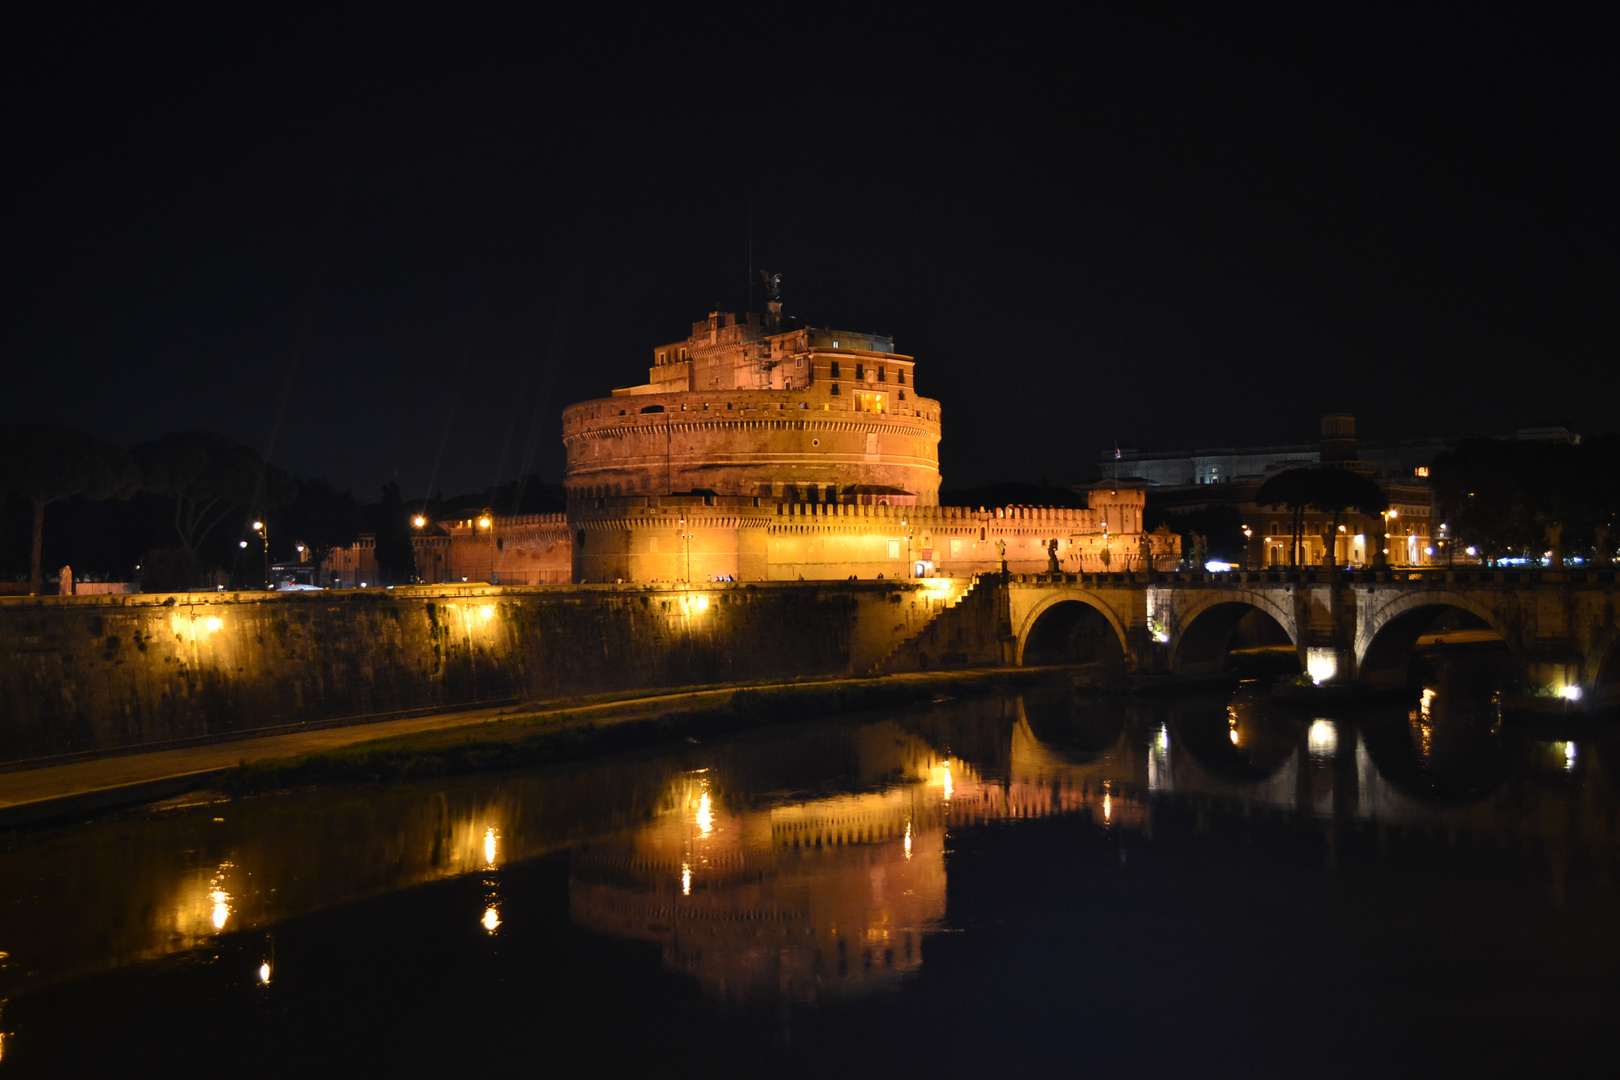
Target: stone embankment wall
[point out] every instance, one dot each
(98, 673)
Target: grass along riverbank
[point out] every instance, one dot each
(546, 737)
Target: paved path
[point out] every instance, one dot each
(61, 791)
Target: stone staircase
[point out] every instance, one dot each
(967, 632)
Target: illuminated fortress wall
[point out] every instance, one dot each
(759, 452)
(94, 673)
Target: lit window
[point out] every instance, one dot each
(1421, 470)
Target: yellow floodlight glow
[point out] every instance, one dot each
(213, 622)
(489, 845)
(698, 603)
(483, 522)
(1570, 692)
(487, 612)
(222, 908)
(1321, 665)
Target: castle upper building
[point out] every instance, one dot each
(763, 450)
(749, 405)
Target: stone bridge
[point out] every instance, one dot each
(1559, 626)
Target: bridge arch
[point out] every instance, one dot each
(1600, 670)
(1385, 639)
(1071, 626)
(1206, 626)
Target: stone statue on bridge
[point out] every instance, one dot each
(1144, 547)
(1052, 566)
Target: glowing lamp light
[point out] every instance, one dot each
(483, 522)
(1570, 692)
(258, 526)
(1216, 566)
(491, 919)
(1321, 665)
(264, 973)
(1569, 757)
(697, 603)
(1471, 550)
(486, 612)
(705, 815)
(213, 623)
(241, 543)
(1322, 738)
(419, 521)
(222, 908)
(489, 845)
(686, 879)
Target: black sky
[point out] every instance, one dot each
(380, 242)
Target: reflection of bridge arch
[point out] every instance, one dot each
(1069, 731)
(1068, 621)
(1600, 668)
(1205, 628)
(1385, 638)
(1243, 745)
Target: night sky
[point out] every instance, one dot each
(388, 244)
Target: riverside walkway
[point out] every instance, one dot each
(58, 790)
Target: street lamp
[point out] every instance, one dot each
(486, 521)
(686, 538)
(1247, 533)
(264, 533)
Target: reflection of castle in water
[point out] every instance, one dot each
(792, 901)
(826, 896)
(759, 890)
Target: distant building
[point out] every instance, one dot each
(1180, 481)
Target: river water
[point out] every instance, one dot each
(1035, 882)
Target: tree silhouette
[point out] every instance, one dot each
(321, 518)
(44, 463)
(208, 476)
(1330, 491)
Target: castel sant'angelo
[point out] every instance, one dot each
(761, 449)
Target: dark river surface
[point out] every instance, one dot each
(1029, 884)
